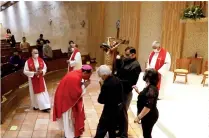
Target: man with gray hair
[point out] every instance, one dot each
(112, 98)
(160, 60)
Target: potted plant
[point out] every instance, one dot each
(193, 12)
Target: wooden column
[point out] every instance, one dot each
(172, 30)
(129, 24)
(96, 29)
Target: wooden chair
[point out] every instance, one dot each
(182, 68)
(205, 73)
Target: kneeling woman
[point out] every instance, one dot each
(147, 102)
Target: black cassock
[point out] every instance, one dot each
(112, 98)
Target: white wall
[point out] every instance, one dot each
(31, 18)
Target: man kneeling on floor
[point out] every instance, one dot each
(111, 96)
(68, 101)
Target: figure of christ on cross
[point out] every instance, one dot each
(110, 49)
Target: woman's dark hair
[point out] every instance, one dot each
(8, 31)
(152, 76)
(71, 42)
(47, 41)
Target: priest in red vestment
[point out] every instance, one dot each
(75, 61)
(160, 60)
(35, 69)
(68, 102)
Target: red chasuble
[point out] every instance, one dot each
(37, 81)
(73, 58)
(68, 95)
(159, 63)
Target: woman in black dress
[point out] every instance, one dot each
(147, 102)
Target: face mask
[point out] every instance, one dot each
(35, 55)
(155, 50)
(86, 76)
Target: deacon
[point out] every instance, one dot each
(68, 102)
(160, 60)
(35, 69)
(75, 61)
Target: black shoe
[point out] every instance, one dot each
(118, 134)
(46, 110)
(35, 108)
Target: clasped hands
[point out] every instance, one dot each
(38, 72)
(86, 83)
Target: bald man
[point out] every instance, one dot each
(160, 60)
(35, 69)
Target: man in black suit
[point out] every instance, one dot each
(128, 70)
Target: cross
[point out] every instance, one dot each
(118, 28)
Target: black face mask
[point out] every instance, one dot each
(127, 59)
(145, 76)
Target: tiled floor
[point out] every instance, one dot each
(27, 123)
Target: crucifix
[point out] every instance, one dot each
(110, 48)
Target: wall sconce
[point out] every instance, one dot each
(83, 23)
(50, 21)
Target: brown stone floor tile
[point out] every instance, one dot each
(10, 134)
(19, 116)
(43, 116)
(2, 132)
(32, 115)
(21, 109)
(4, 127)
(7, 121)
(41, 127)
(14, 121)
(86, 133)
(29, 121)
(54, 134)
(138, 132)
(25, 134)
(27, 127)
(131, 132)
(93, 132)
(134, 125)
(53, 126)
(39, 134)
(42, 121)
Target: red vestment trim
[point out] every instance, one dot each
(159, 63)
(73, 58)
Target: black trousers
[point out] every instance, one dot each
(148, 123)
(107, 123)
(123, 122)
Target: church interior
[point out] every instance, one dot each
(184, 110)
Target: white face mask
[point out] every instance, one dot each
(155, 50)
(35, 56)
